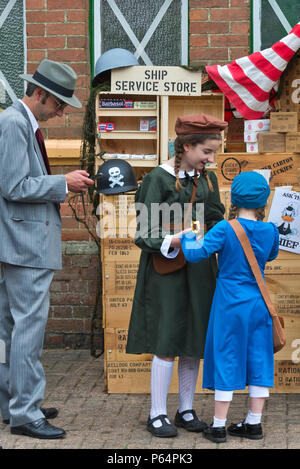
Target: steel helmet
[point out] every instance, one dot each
(113, 58)
(115, 176)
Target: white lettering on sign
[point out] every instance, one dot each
(156, 80)
(296, 93)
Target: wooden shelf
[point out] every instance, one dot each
(116, 112)
(128, 134)
(63, 152)
(138, 163)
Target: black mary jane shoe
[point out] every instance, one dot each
(165, 430)
(194, 425)
(246, 430)
(215, 434)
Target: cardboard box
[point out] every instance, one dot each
(283, 166)
(252, 147)
(271, 142)
(293, 142)
(252, 136)
(283, 121)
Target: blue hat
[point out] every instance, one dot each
(249, 190)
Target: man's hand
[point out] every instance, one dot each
(78, 181)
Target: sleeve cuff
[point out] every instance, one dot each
(165, 247)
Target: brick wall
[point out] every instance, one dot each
(219, 31)
(59, 30)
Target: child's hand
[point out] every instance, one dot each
(175, 243)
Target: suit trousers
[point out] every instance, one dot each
(24, 306)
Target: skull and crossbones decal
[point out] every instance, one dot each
(115, 177)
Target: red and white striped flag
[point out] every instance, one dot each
(248, 81)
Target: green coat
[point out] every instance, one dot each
(170, 312)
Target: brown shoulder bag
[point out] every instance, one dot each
(279, 339)
(166, 265)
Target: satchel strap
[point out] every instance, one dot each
(195, 184)
(243, 238)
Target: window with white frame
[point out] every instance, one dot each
(12, 50)
(272, 20)
(155, 31)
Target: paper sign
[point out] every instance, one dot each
(285, 213)
(159, 80)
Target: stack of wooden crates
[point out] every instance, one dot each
(125, 373)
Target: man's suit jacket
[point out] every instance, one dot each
(30, 223)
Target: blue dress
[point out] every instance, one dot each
(239, 340)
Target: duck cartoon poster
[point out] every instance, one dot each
(285, 213)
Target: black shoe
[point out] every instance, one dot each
(246, 430)
(49, 413)
(164, 431)
(38, 429)
(215, 434)
(194, 425)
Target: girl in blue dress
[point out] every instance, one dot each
(239, 341)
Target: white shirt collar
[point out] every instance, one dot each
(32, 119)
(181, 174)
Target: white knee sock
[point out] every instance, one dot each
(252, 418)
(161, 375)
(256, 392)
(188, 369)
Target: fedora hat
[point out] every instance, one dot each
(57, 78)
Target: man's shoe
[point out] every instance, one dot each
(38, 429)
(165, 430)
(215, 434)
(194, 425)
(246, 430)
(49, 413)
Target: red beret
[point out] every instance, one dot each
(199, 124)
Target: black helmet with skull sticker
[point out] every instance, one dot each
(115, 176)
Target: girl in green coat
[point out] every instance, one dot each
(170, 312)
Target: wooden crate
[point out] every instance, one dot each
(120, 250)
(174, 106)
(117, 310)
(117, 216)
(283, 167)
(115, 341)
(287, 377)
(120, 277)
(289, 96)
(131, 373)
(285, 294)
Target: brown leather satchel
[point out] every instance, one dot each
(279, 339)
(166, 265)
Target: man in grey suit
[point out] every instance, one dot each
(30, 243)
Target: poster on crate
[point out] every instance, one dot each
(285, 213)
